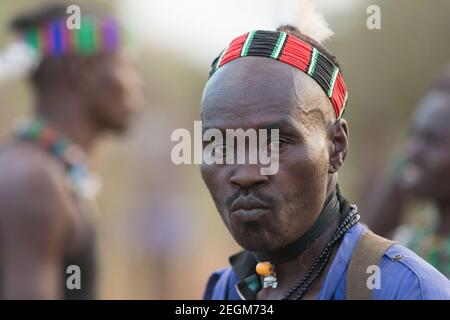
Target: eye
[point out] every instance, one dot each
(220, 150)
(276, 145)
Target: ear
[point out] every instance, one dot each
(338, 137)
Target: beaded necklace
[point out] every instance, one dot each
(348, 219)
(72, 156)
(322, 260)
(424, 240)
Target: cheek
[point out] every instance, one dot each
(439, 163)
(216, 182)
(110, 87)
(115, 92)
(305, 169)
(302, 181)
(101, 93)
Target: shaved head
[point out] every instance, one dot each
(253, 83)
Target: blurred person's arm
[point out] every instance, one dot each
(383, 208)
(33, 219)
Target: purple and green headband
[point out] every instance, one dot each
(95, 35)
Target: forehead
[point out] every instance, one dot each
(433, 114)
(252, 91)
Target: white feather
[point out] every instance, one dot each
(303, 15)
(17, 60)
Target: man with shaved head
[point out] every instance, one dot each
(301, 237)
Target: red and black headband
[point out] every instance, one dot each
(289, 49)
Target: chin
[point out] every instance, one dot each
(252, 238)
(419, 190)
(118, 126)
(120, 129)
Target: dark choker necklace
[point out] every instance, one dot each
(330, 210)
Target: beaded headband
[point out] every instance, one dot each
(95, 35)
(289, 49)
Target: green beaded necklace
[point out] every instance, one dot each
(74, 159)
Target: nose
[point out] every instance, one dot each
(247, 175)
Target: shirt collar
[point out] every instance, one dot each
(244, 264)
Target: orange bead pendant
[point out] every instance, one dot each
(267, 270)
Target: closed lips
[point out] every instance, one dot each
(248, 203)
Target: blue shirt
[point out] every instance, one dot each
(407, 278)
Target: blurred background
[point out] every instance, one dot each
(160, 235)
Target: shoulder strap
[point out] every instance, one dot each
(368, 251)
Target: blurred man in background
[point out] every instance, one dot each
(85, 84)
(422, 172)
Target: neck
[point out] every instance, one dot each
(67, 116)
(444, 217)
(289, 272)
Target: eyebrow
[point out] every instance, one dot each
(283, 125)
